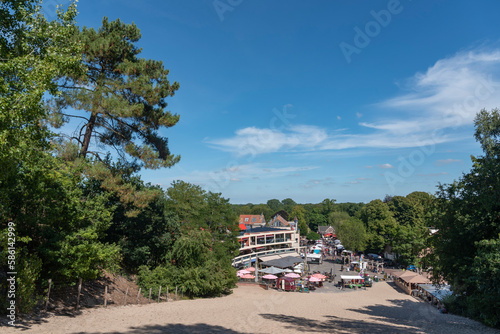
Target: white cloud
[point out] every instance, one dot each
(447, 95)
(385, 166)
(253, 141)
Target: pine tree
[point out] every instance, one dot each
(122, 96)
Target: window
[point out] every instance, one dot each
(253, 220)
(246, 219)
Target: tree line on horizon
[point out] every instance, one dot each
(401, 222)
(79, 206)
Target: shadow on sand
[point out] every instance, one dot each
(171, 328)
(399, 317)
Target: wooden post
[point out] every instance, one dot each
(175, 293)
(159, 293)
(106, 296)
(167, 294)
(138, 294)
(149, 299)
(79, 291)
(125, 299)
(48, 295)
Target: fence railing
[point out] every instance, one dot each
(164, 294)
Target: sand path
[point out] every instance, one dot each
(381, 309)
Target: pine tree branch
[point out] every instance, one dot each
(76, 116)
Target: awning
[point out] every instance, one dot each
(407, 274)
(348, 278)
(437, 291)
(272, 270)
(417, 279)
(243, 227)
(284, 262)
(269, 258)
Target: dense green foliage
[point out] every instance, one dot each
(313, 236)
(33, 52)
(124, 96)
(299, 212)
(199, 262)
(73, 214)
(77, 212)
(352, 232)
(466, 248)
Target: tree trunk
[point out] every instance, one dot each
(88, 134)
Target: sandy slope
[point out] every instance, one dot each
(381, 309)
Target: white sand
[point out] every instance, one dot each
(380, 309)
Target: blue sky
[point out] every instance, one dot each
(349, 100)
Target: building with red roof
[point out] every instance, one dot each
(279, 221)
(251, 221)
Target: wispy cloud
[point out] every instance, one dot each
(433, 174)
(327, 181)
(219, 178)
(447, 95)
(252, 140)
(385, 166)
(447, 161)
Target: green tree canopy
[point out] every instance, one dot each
(261, 208)
(122, 97)
(469, 229)
(412, 214)
(352, 232)
(299, 212)
(380, 225)
(199, 261)
(274, 204)
(337, 218)
(288, 204)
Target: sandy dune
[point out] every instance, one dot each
(381, 309)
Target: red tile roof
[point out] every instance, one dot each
(252, 219)
(280, 219)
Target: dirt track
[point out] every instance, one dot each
(381, 309)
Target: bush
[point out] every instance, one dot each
(313, 236)
(28, 268)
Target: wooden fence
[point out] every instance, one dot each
(164, 294)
